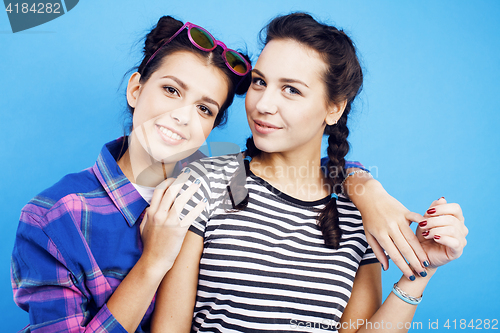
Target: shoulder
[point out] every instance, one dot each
(217, 168)
(66, 189)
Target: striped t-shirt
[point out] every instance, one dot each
(266, 267)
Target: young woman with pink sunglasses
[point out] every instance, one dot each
(80, 263)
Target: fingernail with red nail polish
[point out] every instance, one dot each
(425, 233)
(437, 237)
(423, 223)
(431, 210)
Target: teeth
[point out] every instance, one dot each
(170, 134)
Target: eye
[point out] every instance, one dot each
(258, 81)
(171, 90)
(291, 90)
(205, 110)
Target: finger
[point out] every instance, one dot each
(174, 189)
(413, 239)
(444, 220)
(454, 245)
(396, 257)
(449, 231)
(407, 252)
(194, 213)
(437, 202)
(183, 199)
(378, 251)
(414, 243)
(143, 222)
(446, 209)
(441, 201)
(159, 192)
(440, 221)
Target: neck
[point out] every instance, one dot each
(297, 175)
(140, 168)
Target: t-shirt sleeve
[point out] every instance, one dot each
(355, 164)
(220, 185)
(198, 171)
(348, 164)
(368, 257)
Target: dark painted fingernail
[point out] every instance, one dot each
(187, 170)
(412, 278)
(437, 237)
(431, 210)
(441, 198)
(423, 223)
(197, 181)
(426, 263)
(425, 233)
(423, 274)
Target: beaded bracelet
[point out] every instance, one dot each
(352, 174)
(404, 296)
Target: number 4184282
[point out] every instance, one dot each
(36, 8)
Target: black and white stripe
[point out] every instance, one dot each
(266, 268)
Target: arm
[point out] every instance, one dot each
(177, 293)
(57, 297)
(45, 285)
(445, 221)
(163, 234)
(386, 222)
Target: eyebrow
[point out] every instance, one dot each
(185, 87)
(286, 80)
(179, 82)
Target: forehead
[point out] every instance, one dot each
(290, 59)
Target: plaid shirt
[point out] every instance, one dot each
(75, 243)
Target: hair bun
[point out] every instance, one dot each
(166, 27)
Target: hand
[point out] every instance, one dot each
(162, 231)
(442, 233)
(387, 226)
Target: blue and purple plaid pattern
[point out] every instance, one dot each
(75, 243)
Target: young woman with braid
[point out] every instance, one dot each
(256, 260)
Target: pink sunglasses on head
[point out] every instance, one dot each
(204, 41)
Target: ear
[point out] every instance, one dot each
(133, 89)
(334, 112)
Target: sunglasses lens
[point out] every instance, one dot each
(236, 62)
(202, 38)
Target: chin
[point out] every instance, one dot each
(266, 145)
(173, 155)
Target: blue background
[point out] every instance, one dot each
(427, 122)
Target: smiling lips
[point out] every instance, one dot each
(265, 128)
(169, 136)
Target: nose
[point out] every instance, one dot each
(182, 116)
(267, 103)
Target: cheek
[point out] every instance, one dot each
(206, 127)
(251, 100)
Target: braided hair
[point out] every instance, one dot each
(343, 80)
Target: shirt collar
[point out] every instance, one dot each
(124, 195)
